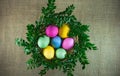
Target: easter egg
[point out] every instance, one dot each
(43, 41)
(51, 30)
(68, 43)
(48, 52)
(64, 30)
(60, 53)
(56, 42)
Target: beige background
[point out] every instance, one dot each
(102, 15)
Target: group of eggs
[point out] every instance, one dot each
(56, 41)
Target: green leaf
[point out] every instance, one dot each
(27, 51)
(43, 71)
(69, 74)
(68, 10)
(84, 28)
(83, 67)
(50, 9)
(21, 42)
(31, 64)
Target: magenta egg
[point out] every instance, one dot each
(68, 43)
(51, 30)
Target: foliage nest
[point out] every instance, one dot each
(77, 30)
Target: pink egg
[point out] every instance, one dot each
(68, 43)
(51, 30)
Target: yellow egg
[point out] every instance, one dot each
(64, 30)
(48, 52)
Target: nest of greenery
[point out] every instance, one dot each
(78, 31)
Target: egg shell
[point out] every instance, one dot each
(56, 42)
(68, 43)
(51, 30)
(64, 30)
(48, 52)
(61, 53)
(43, 41)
